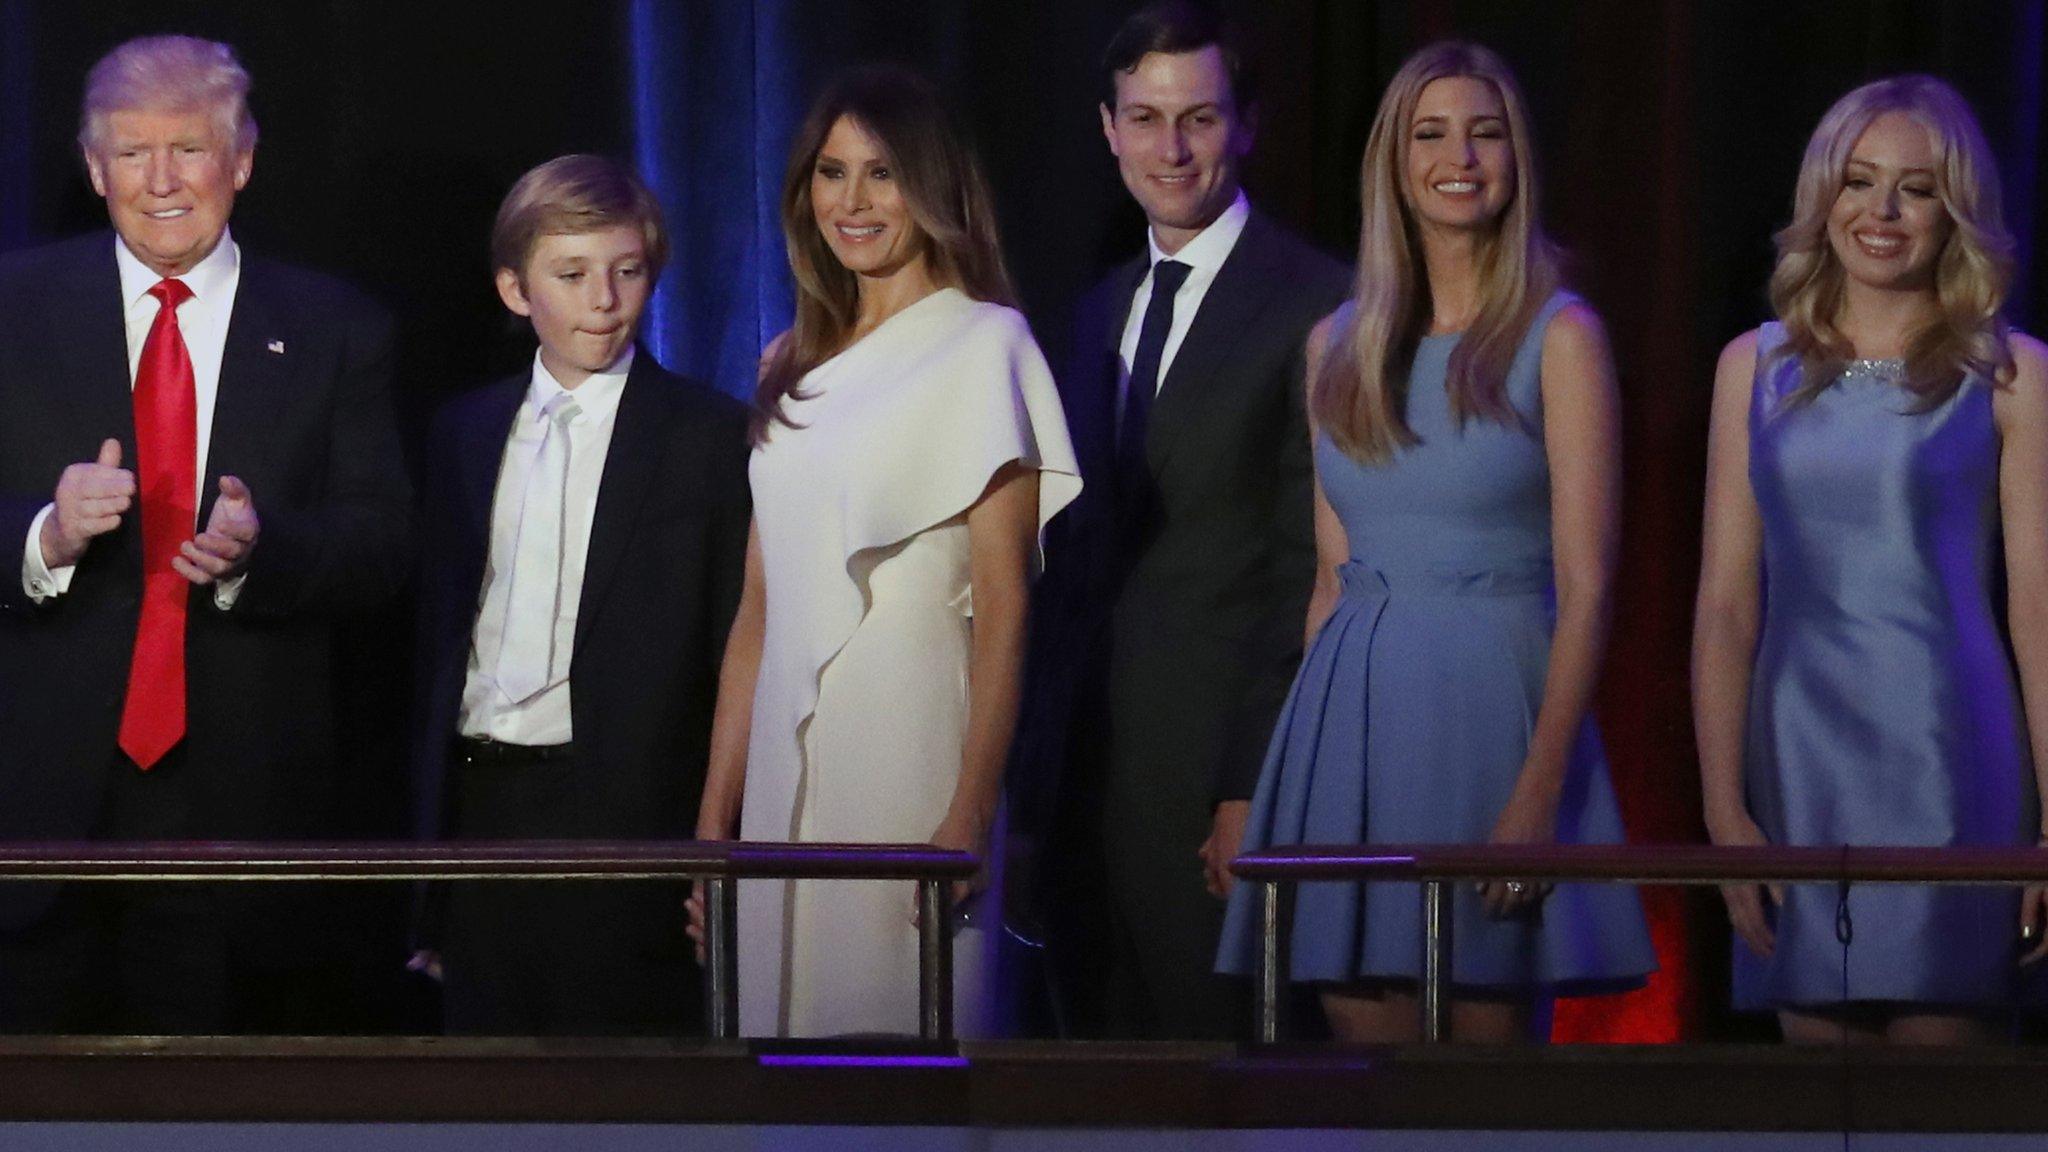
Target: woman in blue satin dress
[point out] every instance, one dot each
(1851, 686)
(1467, 466)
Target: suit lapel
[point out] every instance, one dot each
(638, 436)
(256, 374)
(1097, 408)
(1241, 290)
(481, 455)
(1125, 287)
(94, 346)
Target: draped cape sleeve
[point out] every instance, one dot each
(978, 401)
(899, 434)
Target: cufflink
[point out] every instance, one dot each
(276, 347)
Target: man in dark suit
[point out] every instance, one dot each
(1176, 589)
(228, 487)
(586, 531)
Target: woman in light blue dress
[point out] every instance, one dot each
(1468, 469)
(1850, 682)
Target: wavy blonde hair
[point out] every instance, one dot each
(1360, 395)
(1968, 335)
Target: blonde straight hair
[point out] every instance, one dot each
(1360, 395)
(1968, 335)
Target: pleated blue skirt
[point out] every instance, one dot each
(1408, 724)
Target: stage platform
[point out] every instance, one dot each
(232, 1093)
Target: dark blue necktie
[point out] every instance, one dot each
(1167, 277)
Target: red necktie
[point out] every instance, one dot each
(166, 471)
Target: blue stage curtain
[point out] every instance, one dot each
(718, 88)
(714, 102)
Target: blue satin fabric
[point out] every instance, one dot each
(1411, 715)
(1883, 708)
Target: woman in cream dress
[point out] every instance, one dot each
(910, 449)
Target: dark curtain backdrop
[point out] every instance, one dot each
(1669, 132)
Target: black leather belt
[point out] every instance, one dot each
(484, 752)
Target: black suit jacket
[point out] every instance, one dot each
(304, 417)
(1191, 623)
(661, 583)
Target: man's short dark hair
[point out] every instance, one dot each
(1174, 27)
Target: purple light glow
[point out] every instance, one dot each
(823, 1060)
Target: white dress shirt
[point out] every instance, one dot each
(1204, 255)
(203, 323)
(542, 718)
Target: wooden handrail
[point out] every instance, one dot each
(1440, 868)
(1648, 864)
(717, 863)
(477, 860)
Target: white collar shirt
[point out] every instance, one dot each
(542, 719)
(202, 321)
(203, 324)
(1204, 255)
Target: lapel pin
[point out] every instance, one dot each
(276, 346)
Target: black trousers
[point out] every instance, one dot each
(169, 958)
(559, 958)
(1130, 930)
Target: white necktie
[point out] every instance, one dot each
(527, 660)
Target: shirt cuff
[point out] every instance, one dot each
(38, 579)
(225, 592)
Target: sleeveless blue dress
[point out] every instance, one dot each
(1883, 708)
(1412, 712)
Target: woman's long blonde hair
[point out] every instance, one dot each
(1971, 277)
(1360, 395)
(943, 186)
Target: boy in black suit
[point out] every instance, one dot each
(585, 527)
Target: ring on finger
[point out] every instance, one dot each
(1516, 887)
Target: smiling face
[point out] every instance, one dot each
(1178, 137)
(584, 293)
(169, 179)
(857, 201)
(1888, 224)
(1461, 156)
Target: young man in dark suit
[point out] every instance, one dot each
(585, 527)
(200, 458)
(1176, 588)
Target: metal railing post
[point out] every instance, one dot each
(1436, 960)
(935, 960)
(722, 949)
(720, 867)
(1269, 962)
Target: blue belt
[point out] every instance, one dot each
(1366, 582)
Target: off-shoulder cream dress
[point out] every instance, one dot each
(860, 713)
